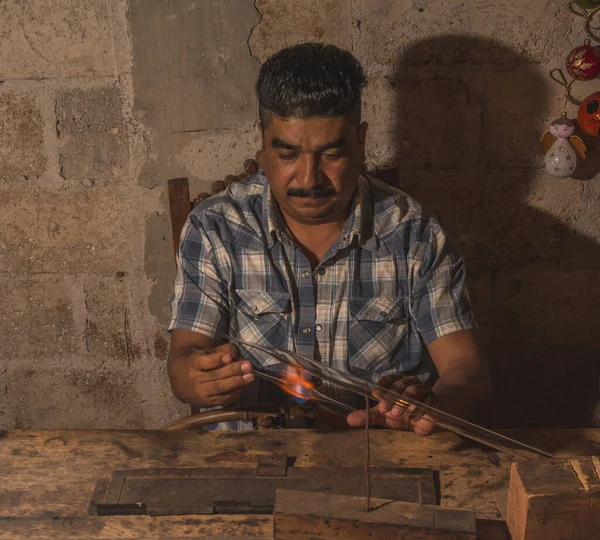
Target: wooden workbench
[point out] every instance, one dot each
(47, 477)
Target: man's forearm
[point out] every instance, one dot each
(183, 344)
(464, 385)
(462, 393)
(177, 368)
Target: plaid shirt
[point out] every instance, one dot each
(391, 284)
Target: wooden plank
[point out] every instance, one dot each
(554, 499)
(179, 207)
(138, 527)
(305, 514)
(170, 527)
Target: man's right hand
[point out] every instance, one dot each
(209, 377)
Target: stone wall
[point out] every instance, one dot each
(102, 101)
(79, 346)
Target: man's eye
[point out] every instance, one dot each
(333, 156)
(287, 157)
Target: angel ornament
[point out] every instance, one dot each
(561, 148)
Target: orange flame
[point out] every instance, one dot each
(293, 383)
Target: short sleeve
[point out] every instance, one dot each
(439, 302)
(201, 298)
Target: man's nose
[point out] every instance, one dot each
(309, 172)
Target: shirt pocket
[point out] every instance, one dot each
(262, 317)
(377, 329)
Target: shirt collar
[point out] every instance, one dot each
(272, 220)
(360, 223)
(367, 237)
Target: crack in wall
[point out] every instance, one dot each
(260, 17)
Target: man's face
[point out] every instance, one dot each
(312, 165)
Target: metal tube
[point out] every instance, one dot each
(196, 421)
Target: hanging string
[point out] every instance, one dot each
(557, 75)
(589, 17)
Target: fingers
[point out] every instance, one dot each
(359, 418)
(386, 400)
(229, 348)
(217, 375)
(234, 369)
(206, 360)
(225, 386)
(398, 417)
(221, 399)
(398, 385)
(223, 390)
(211, 359)
(387, 403)
(232, 376)
(410, 418)
(356, 419)
(425, 426)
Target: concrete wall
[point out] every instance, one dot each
(101, 101)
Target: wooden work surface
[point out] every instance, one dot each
(47, 477)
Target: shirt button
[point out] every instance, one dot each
(321, 271)
(383, 314)
(306, 331)
(318, 328)
(305, 274)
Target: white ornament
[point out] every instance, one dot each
(561, 148)
(561, 159)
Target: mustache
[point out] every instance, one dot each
(314, 193)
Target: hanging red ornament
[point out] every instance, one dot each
(583, 63)
(588, 115)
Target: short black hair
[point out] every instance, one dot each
(310, 79)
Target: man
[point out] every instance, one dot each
(311, 255)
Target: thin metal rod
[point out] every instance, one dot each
(368, 451)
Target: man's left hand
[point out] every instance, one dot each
(394, 416)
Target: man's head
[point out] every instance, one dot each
(309, 98)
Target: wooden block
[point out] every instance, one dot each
(179, 207)
(310, 514)
(554, 499)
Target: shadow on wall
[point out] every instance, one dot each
(469, 118)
